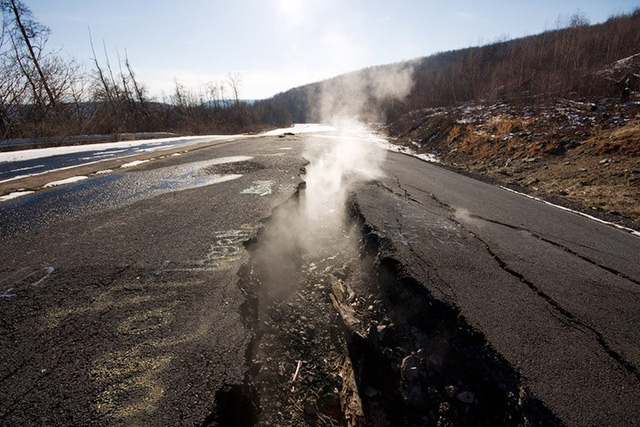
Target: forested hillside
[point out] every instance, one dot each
(577, 62)
(556, 114)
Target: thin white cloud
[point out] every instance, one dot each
(465, 15)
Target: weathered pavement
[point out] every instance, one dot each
(555, 294)
(120, 302)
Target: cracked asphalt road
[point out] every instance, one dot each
(120, 298)
(556, 294)
(120, 301)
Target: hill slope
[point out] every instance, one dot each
(556, 114)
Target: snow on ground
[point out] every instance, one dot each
(302, 128)
(134, 163)
(15, 195)
(405, 150)
(162, 147)
(44, 172)
(65, 181)
(145, 145)
(150, 145)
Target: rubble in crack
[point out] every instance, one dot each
(351, 343)
(298, 357)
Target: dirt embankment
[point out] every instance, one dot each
(585, 155)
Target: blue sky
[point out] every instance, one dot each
(278, 44)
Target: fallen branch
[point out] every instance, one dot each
(295, 376)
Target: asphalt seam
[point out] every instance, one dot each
(556, 306)
(563, 247)
(628, 366)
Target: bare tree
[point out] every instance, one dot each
(235, 80)
(139, 89)
(101, 75)
(28, 39)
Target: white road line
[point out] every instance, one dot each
(593, 218)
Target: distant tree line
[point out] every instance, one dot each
(42, 94)
(574, 61)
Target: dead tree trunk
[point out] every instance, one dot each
(32, 54)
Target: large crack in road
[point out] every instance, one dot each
(343, 335)
(411, 298)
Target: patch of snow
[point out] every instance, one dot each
(261, 188)
(133, 164)
(102, 172)
(65, 181)
(27, 168)
(302, 128)
(38, 153)
(432, 158)
(156, 148)
(593, 218)
(15, 195)
(113, 151)
(45, 172)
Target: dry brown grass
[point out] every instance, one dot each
(453, 134)
(497, 136)
(624, 140)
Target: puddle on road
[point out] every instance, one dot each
(185, 176)
(261, 188)
(117, 190)
(189, 181)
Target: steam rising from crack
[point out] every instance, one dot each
(340, 161)
(361, 97)
(316, 227)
